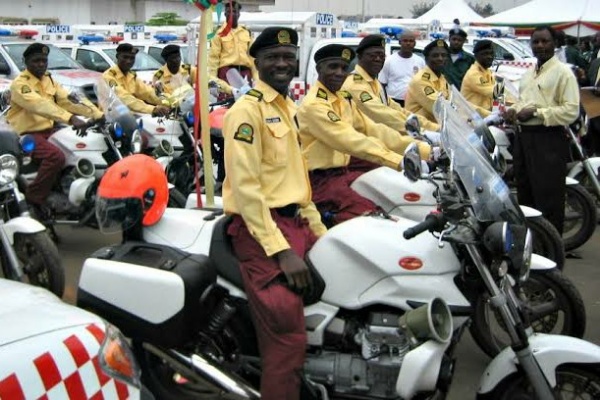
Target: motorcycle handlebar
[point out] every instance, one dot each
(226, 102)
(432, 221)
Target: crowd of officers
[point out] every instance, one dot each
(289, 168)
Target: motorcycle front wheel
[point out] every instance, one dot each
(550, 299)
(547, 242)
(40, 261)
(572, 382)
(580, 217)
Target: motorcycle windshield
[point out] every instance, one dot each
(489, 195)
(109, 102)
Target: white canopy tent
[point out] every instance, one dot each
(575, 17)
(446, 11)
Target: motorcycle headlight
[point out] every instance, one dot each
(189, 118)
(136, 142)
(498, 238)
(27, 144)
(9, 168)
(527, 253)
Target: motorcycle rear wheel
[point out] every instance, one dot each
(547, 242)
(580, 217)
(555, 306)
(40, 261)
(573, 381)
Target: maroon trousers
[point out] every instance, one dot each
(331, 193)
(222, 74)
(52, 161)
(278, 313)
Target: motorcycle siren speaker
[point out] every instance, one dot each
(164, 149)
(84, 168)
(430, 321)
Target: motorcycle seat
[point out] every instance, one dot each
(222, 256)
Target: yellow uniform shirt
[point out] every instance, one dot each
(478, 88)
(134, 93)
(332, 129)
(423, 91)
(553, 90)
(265, 167)
(37, 103)
(373, 101)
(231, 49)
(187, 74)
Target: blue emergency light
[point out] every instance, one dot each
(5, 32)
(165, 37)
(437, 35)
(393, 31)
(349, 34)
(87, 39)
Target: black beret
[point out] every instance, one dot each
(371, 41)
(126, 48)
(36, 48)
(433, 45)
(272, 37)
(457, 32)
(332, 51)
(234, 4)
(482, 45)
(169, 50)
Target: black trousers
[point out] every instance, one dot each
(540, 163)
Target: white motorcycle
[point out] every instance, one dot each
(377, 326)
(27, 253)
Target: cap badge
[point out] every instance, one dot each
(283, 37)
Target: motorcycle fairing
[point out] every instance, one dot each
(156, 131)
(420, 369)
(67, 140)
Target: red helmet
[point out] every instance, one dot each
(133, 189)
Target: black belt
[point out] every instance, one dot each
(328, 171)
(238, 67)
(289, 211)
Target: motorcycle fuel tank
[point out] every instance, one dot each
(366, 260)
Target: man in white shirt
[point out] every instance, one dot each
(400, 67)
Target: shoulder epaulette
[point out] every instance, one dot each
(345, 94)
(134, 73)
(322, 94)
(255, 93)
(426, 76)
(187, 67)
(113, 72)
(158, 74)
(358, 77)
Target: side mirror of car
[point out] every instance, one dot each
(412, 162)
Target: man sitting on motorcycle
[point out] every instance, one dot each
(37, 102)
(174, 73)
(274, 220)
(135, 94)
(429, 83)
(371, 97)
(332, 129)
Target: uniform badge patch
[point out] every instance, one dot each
(365, 96)
(25, 89)
(483, 81)
(322, 94)
(428, 90)
(112, 83)
(159, 74)
(357, 78)
(426, 76)
(333, 116)
(244, 133)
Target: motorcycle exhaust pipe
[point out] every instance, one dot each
(84, 168)
(164, 149)
(204, 370)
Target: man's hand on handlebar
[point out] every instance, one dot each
(161, 111)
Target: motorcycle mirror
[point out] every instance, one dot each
(498, 161)
(487, 138)
(412, 125)
(412, 162)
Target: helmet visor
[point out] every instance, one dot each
(115, 215)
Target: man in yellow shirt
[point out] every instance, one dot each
(231, 50)
(174, 73)
(429, 83)
(37, 101)
(134, 93)
(274, 220)
(369, 94)
(479, 82)
(332, 129)
(548, 101)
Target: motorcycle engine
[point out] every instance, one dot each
(371, 371)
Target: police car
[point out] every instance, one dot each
(101, 56)
(51, 350)
(64, 70)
